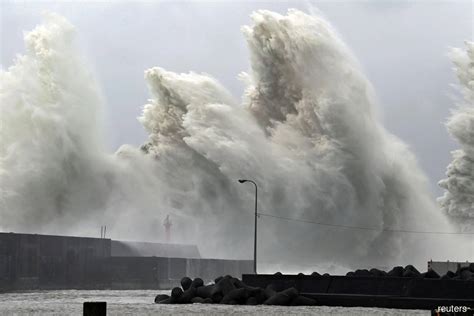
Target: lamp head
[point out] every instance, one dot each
(242, 180)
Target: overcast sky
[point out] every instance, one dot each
(402, 46)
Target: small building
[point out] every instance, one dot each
(442, 267)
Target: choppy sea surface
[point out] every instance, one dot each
(140, 302)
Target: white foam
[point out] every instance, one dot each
(458, 200)
(307, 133)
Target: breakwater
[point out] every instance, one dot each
(231, 291)
(45, 262)
(401, 287)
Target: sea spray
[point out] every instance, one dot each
(458, 200)
(307, 133)
(50, 134)
(312, 142)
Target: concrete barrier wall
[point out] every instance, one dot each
(29, 262)
(459, 289)
(177, 268)
(209, 269)
(164, 273)
(152, 249)
(371, 286)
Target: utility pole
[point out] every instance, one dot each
(255, 231)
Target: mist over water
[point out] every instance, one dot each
(306, 131)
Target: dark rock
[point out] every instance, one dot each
(237, 295)
(252, 301)
(411, 268)
(326, 275)
(224, 286)
(315, 274)
(176, 292)
(278, 273)
(471, 267)
(238, 284)
(216, 280)
(251, 289)
(166, 301)
(258, 294)
(431, 274)
(465, 274)
(204, 291)
(187, 296)
(448, 275)
(186, 283)
(282, 298)
(300, 274)
(362, 272)
(302, 301)
(410, 272)
(197, 282)
(207, 301)
(269, 291)
(197, 300)
(161, 297)
(377, 273)
(350, 274)
(217, 297)
(461, 269)
(396, 272)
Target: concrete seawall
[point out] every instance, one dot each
(32, 262)
(385, 292)
(165, 273)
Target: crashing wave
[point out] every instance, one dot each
(458, 200)
(307, 133)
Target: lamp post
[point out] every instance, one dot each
(255, 232)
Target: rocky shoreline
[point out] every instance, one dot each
(463, 273)
(230, 290)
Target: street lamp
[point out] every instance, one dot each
(255, 232)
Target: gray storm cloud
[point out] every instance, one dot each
(307, 133)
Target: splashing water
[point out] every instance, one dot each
(307, 133)
(51, 144)
(458, 200)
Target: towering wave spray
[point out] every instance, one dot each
(458, 200)
(307, 133)
(49, 133)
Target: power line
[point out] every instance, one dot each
(367, 228)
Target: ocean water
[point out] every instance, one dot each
(140, 302)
